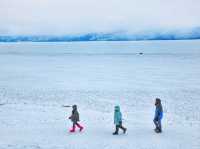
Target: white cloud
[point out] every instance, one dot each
(82, 16)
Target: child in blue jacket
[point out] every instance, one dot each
(158, 115)
(118, 120)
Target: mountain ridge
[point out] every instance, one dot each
(113, 36)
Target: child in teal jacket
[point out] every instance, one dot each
(118, 120)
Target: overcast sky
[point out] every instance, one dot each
(85, 16)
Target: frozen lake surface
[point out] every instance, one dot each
(37, 78)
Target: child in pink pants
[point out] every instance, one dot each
(75, 118)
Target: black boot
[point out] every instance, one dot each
(116, 130)
(159, 130)
(124, 130)
(156, 129)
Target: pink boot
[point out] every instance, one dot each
(80, 127)
(73, 129)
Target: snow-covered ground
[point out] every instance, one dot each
(36, 79)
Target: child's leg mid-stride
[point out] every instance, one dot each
(158, 125)
(79, 126)
(74, 127)
(117, 129)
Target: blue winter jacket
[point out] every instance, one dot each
(117, 116)
(158, 112)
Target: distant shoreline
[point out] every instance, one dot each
(17, 41)
(193, 35)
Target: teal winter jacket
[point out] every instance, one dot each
(117, 116)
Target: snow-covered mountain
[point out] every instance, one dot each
(113, 36)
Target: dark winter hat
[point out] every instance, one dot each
(158, 101)
(117, 108)
(74, 106)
